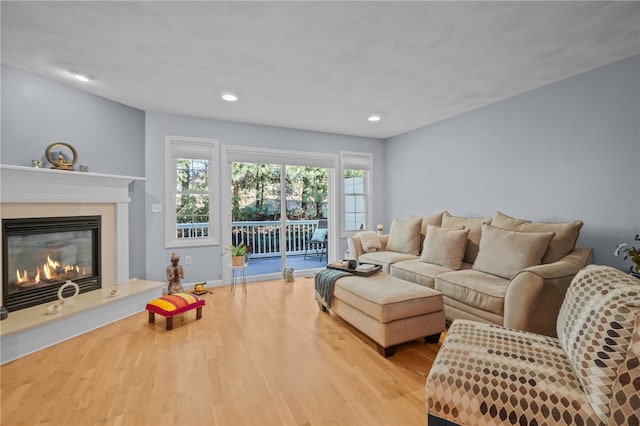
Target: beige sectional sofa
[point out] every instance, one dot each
(498, 270)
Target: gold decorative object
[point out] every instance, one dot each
(200, 288)
(60, 162)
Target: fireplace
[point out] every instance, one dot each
(40, 254)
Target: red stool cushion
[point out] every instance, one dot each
(174, 304)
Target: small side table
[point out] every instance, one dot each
(238, 276)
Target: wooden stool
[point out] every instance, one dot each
(172, 305)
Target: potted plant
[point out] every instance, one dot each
(237, 252)
(632, 253)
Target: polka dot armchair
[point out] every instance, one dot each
(589, 375)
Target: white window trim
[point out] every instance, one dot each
(188, 147)
(357, 161)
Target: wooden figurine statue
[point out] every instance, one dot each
(175, 273)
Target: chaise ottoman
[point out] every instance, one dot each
(172, 305)
(388, 310)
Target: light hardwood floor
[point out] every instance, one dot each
(266, 358)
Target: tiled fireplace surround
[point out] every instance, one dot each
(29, 192)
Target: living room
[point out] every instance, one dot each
(563, 150)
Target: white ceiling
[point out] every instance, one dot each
(322, 66)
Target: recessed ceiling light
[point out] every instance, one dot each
(374, 118)
(229, 97)
(80, 77)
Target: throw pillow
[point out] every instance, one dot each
(434, 219)
(404, 236)
(562, 243)
(369, 240)
(319, 234)
(474, 225)
(505, 253)
(444, 246)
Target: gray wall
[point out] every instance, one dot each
(207, 260)
(108, 136)
(566, 151)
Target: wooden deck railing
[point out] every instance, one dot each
(262, 237)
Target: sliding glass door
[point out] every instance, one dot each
(276, 210)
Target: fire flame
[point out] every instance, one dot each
(50, 270)
(22, 278)
(53, 263)
(47, 271)
(70, 268)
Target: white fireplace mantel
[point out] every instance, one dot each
(38, 185)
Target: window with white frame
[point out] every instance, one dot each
(190, 191)
(356, 188)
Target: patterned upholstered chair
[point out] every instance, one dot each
(590, 375)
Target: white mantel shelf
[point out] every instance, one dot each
(39, 185)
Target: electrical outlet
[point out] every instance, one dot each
(156, 208)
(187, 260)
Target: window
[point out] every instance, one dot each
(354, 198)
(356, 189)
(190, 196)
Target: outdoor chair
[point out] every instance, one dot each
(317, 243)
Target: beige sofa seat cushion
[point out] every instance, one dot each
(563, 242)
(386, 298)
(404, 236)
(444, 246)
(417, 272)
(474, 225)
(385, 258)
(474, 288)
(505, 253)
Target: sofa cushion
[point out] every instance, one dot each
(563, 242)
(444, 246)
(489, 375)
(418, 272)
(505, 253)
(385, 258)
(474, 288)
(474, 225)
(387, 298)
(595, 328)
(433, 219)
(404, 236)
(369, 240)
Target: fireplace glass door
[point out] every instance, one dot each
(41, 254)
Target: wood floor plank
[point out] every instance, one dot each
(268, 357)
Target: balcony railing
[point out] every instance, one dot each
(262, 237)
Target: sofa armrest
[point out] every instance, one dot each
(535, 294)
(355, 246)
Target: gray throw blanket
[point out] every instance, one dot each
(324, 283)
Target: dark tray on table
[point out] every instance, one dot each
(341, 265)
